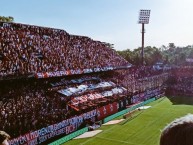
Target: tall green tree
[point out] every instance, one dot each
(168, 55)
(6, 19)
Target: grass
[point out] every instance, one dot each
(144, 129)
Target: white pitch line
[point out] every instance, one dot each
(86, 141)
(117, 140)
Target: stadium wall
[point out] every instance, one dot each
(69, 137)
(128, 110)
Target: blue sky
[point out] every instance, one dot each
(113, 21)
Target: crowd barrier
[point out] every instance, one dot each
(69, 137)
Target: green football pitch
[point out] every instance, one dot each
(143, 128)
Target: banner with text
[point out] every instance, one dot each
(62, 128)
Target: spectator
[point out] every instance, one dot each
(178, 132)
(4, 138)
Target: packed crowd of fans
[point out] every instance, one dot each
(40, 103)
(27, 106)
(27, 49)
(139, 79)
(30, 105)
(181, 81)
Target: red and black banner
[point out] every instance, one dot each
(107, 110)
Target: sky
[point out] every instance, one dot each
(112, 21)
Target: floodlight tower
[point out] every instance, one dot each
(143, 19)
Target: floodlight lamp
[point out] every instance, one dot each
(144, 16)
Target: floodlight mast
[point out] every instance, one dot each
(143, 19)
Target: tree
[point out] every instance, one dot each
(173, 55)
(163, 48)
(6, 19)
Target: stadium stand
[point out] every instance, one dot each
(53, 83)
(27, 49)
(41, 103)
(181, 81)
